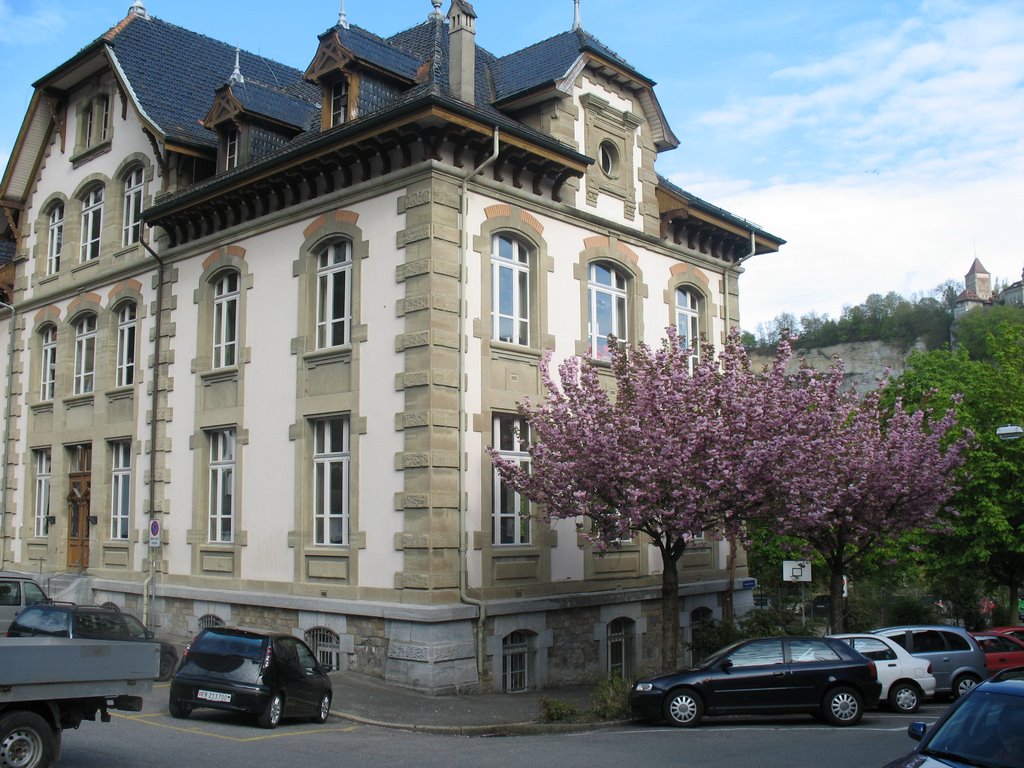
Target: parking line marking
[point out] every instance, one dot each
(145, 719)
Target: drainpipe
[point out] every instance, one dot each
(731, 588)
(147, 585)
(7, 439)
(463, 533)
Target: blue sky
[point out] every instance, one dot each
(882, 139)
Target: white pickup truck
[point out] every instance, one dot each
(49, 684)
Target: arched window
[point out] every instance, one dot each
(85, 355)
(516, 662)
(48, 362)
(55, 239)
(210, 620)
(510, 290)
(334, 295)
(92, 224)
(132, 227)
(225, 320)
(126, 331)
(688, 321)
(607, 311)
(621, 634)
(326, 646)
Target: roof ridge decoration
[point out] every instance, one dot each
(436, 13)
(236, 74)
(343, 17)
(577, 23)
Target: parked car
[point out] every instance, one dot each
(92, 622)
(815, 675)
(957, 662)
(1017, 632)
(1001, 651)
(16, 591)
(983, 728)
(906, 680)
(266, 674)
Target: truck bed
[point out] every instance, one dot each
(33, 668)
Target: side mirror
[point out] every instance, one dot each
(149, 634)
(726, 665)
(916, 731)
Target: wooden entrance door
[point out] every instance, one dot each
(79, 500)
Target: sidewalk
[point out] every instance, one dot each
(372, 701)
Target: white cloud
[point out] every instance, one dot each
(26, 26)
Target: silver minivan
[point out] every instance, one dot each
(958, 663)
(16, 591)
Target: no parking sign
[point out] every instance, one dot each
(154, 533)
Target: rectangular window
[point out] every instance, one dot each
(92, 224)
(334, 295)
(511, 511)
(85, 355)
(132, 228)
(607, 310)
(222, 486)
(339, 102)
(55, 241)
(510, 289)
(231, 151)
(125, 376)
(48, 368)
(120, 488)
(41, 510)
(97, 121)
(331, 462)
(225, 321)
(688, 322)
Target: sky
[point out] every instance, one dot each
(882, 139)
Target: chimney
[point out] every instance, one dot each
(462, 50)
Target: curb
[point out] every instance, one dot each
(497, 729)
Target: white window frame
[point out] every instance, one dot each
(339, 102)
(334, 277)
(226, 296)
(222, 486)
(127, 325)
(510, 290)
(85, 355)
(606, 283)
(92, 224)
(41, 509)
(510, 511)
(99, 107)
(332, 462)
(48, 363)
(55, 239)
(688, 322)
(134, 181)
(231, 143)
(120, 489)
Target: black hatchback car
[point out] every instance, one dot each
(266, 674)
(819, 676)
(91, 622)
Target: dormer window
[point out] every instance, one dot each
(339, 102)
(97, 120)
(231, 149)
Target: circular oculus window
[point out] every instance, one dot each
(608, 157)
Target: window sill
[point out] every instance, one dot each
(506, 351)
(328, 356)
(88, 153)
(120, 393)
(80, 401)
(85, 265)
(127, 250)
(219, 375)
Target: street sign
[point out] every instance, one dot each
(154, 533)
(796, 570)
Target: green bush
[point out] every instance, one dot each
(555, 711)
(611, 699)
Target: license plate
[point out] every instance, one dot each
(213, 695)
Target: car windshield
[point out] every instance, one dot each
(987, 729)
(227, 656)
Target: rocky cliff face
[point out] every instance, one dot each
(864, 362)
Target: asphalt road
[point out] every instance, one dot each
(153, 739)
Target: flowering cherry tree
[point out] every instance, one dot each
(646, 448)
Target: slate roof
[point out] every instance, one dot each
(174, 73)
(379, 52)
(704, 205)
(261, 99)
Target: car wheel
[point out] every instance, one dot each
(842, 706)
(167, 662)
(271, 716)
(325, 709)
(904, 698)
(178, 710)
(26, 740)
(963, 684)
(683, 708)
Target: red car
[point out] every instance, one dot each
(1015, 632)
(1001, 651)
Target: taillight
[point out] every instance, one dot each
(184, 654)
(874, 669)
(929, 668)
(266, 658)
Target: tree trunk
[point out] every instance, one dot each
(835, 609)
(669, 613)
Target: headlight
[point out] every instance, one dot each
(643, 687)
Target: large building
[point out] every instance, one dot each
(267, 321)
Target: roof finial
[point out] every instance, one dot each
(576, 22)
(236, 74)
(436, 13)
(138, 9)
(342, 18)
